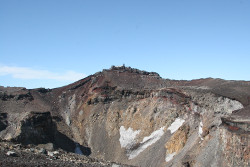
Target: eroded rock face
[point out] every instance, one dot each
(177, 141)
(137, 118)
(235, 137)
(36, 128)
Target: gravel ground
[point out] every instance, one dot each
(37, 157)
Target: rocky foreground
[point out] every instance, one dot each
(18, 155)
(127, 116)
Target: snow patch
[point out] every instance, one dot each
(195, 108)
(156, 135)
(127, 137)
(115, 165)
(169, 157)
(146, 142)
(81, 112)
(67, 120)
(200, 130)
(176, 125)
(78, 150)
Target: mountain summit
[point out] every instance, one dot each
(134, 117)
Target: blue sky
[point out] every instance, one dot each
(51, 43)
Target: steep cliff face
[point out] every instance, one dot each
(135, 117)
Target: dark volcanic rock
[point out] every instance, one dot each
(3, 121)
(36, 128)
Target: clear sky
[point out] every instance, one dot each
(51, 43)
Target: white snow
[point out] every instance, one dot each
(115, 165)
(147, 141)
(176, 125)
(81, 112)
(169, 157)
(156, 135)
(200, 130)
(195, 108)
(78, 150)
(68, 122)
(127, 137)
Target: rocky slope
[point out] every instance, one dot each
(136, 118)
